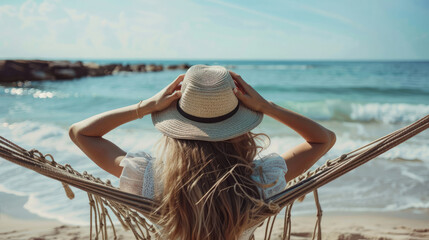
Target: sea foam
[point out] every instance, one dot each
(361, 112)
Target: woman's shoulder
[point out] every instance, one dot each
(269, 171)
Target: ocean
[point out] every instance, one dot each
(359, 101)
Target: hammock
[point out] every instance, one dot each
(133, 211)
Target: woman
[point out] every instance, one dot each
(208, 182)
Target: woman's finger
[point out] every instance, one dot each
(175, 95)
(175, 83)
(244, 87)
(240, 95)
(178, 87)
(238, 79)
(237, 83)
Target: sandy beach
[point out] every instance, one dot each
(341, 227)
(17, 223)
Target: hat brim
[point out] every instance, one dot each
(173, 124)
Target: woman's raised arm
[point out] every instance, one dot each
(318, 140)
(88, 134)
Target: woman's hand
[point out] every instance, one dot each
(88, 134)
(318, 140)
(163, 98)
(247, 95)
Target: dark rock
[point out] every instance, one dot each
(173, 67)
(138, 68)
(94, 70)
(11, 71)
(22, 70)
(64, 73)
(41, 72)
(184, 66)
(117, 69)
(62, 70)
(41, 75)
(150, 67)
(134, 68)
(142, 67)
(129, 68)
(108, 69)
(126, 68)
(180, 66)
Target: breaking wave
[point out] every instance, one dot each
(361, 112)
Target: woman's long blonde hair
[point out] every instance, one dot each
(207, 192)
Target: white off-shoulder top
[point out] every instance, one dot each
(138, 177)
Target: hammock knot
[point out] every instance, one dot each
(52, 159)
(31, 152)
(34, 153)
(87, 176)
(318, 169)
(69, 168)
(301, 199)
(273, 207)
(108, 182)
(344, 156)
(330, 162)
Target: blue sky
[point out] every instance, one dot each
(215, 29)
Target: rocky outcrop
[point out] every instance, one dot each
(34, 70)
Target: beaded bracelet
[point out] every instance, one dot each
(137, 109)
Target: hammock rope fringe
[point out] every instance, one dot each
(134, 212)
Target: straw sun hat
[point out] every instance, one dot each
(208, 109)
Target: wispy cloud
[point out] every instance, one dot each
(8, 10)
(75, 15)
(259, 13)
(333, 16)
(275, 18)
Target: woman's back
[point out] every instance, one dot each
(267, 178)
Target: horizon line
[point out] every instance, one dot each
(221, 59)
